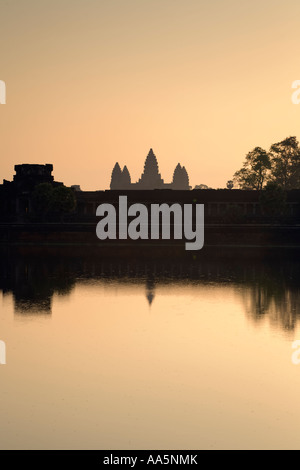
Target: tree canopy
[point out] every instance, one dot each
(285, 160)
(47, 198)
(255, 170)
(280, 165)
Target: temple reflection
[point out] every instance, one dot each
(267, 283)
(150, 290)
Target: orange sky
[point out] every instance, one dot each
(91, 82)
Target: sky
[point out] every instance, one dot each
(92, 82)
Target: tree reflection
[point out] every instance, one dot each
(275, 294)
(267, 281)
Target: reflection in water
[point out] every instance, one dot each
(149, 352)
(150, 293)
(280, 303)
(267, 281)
(34, 280)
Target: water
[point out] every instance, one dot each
(107, 353)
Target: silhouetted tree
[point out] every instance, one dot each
(42, 198)
(255, 170)
(229, 184)
(62, 200)
(285, 161)
(272, 199)
(201, 186)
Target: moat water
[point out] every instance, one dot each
(187, 353)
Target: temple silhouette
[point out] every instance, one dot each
(150, 178)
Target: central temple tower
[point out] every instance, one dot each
(151, 178)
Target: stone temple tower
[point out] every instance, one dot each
(180, 178)
(151, 178)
